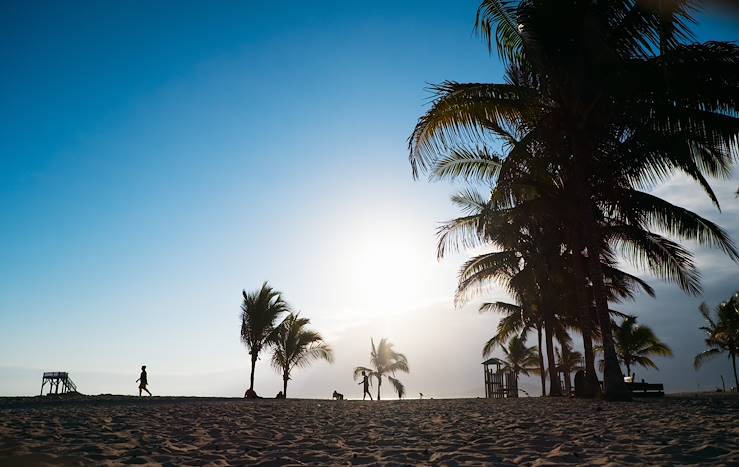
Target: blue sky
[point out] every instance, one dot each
(158, 157)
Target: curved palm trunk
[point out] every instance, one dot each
(379, 383)
(542, 370)
(733, 361)
(614, 387)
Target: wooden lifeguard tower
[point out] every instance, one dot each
(56, 379)
(499, 383)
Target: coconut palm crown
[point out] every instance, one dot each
(636, 343)
(519, 358)
(722, 332)
(385, 362)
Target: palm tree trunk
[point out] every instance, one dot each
(285, 377)
(614, 387)
(379, 383)
(589, 354)
(733, 361)
(554, 389)
(253, 365)
(548, 315)
(628, 368)
(583, 308)
(542, 370)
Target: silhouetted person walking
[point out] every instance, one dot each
(142, 381)
(365, 382)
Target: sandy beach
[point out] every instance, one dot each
(195, 431)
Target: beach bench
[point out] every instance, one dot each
(646, 389)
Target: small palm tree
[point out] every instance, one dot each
(520, 359)
(296, 346)
(517, 320)
(260, 311)
(385, 362)
(636, 343)
(568, 362)
(722, 333)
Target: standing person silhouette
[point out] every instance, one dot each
(365, 382)
(142, 381)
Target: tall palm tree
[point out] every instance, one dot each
(260, 311)
(293, 345)
(636, 343)
(385, 362)
(568, 362)
(519, 358)
(611, 115)
(590, 61)
(722, 333)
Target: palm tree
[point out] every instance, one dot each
(531, 266)
(384, 362)
(722, 333)
(568, 362)
(589, 61)
(520, 359)
(260, 311)
(516, 320)
(296, 346)
(526, 260)
(609, 115)
(635, 344)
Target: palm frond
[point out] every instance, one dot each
(464, 116)
(368, 371)
(467, 164)
(704, 356)
(398, 386)
(497, 18)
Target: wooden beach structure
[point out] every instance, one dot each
(499, 383)
(57, 379)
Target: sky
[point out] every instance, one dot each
(157, 158)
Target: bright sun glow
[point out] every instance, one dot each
(382, 268)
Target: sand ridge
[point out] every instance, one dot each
(531, 431)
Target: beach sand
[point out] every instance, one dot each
(195, 431)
